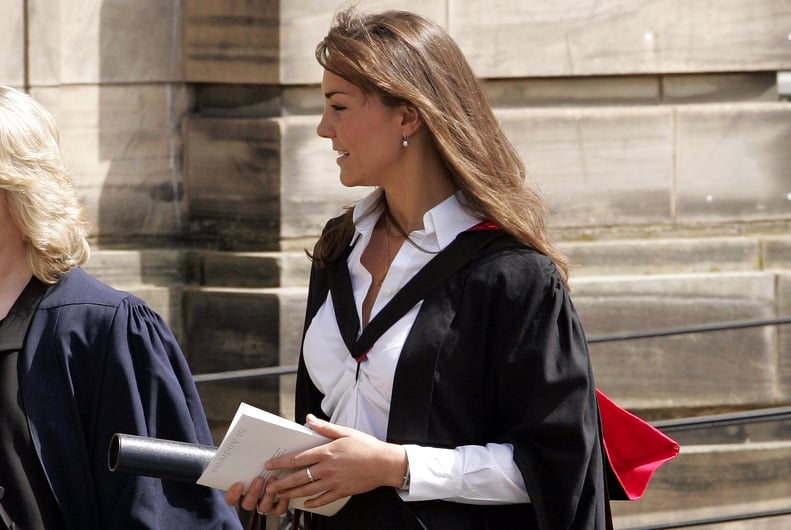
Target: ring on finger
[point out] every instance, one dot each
(259, 512)
(308, 473)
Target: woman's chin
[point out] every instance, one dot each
(351, 182)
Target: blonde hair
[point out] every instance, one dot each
(407, 59)
(38, 189)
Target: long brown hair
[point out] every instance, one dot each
(407, 59)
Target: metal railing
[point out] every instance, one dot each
(714, 520)
(248, 373)
(703, 328)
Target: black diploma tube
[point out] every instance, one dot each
(154, 457)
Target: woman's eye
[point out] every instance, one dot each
(338, 107)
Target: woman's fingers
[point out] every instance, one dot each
(268, 501)
(255, 492)
(301, 483)
(328, 429)
(233, 494)
(280, 507)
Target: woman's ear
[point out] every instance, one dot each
(410, 120)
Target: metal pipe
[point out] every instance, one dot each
(154, 457)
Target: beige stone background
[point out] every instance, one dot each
(656, 129)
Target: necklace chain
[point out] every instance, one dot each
(391, 222)
(387, 252)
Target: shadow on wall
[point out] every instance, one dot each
(140, 113)
(141, 104)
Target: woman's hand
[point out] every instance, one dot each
(256, 498)
(353, 462)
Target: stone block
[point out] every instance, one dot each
(232, 169)
(733, 162)
(253, 269)
(234, 41)
(777, 252)
(568, 91)
(122, 144)
(218, 100)
(294, 268)
(126, 268)
(714, 481)
(663, 256)
(301, 100)
(303, 24)
(597, 166)
(233, 329)
(784, 337)
(619, 37)
(12, 42)
(92, 41)
(728, 368)
(237, 269)
(704, 88)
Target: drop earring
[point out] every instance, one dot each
(405, 143)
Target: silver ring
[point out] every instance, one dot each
(259, 512)
(310, 477)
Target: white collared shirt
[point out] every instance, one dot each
(471, 474)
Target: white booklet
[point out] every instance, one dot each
(254, 437)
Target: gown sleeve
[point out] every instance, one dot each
(547, 397)
(147, 389)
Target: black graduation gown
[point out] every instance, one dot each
(496, 354)
(97, 361)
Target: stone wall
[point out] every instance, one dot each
(627, 119)
(628, 114)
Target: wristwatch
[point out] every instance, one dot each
(407, 477)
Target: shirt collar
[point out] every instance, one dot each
(441, 224)
(15, 325)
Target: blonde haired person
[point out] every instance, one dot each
(474, 406)
(79, 361)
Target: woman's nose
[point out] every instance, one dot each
(322, 129)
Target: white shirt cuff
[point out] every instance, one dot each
(470, 474)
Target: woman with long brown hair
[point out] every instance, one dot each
(442, 353)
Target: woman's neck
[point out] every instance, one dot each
(407, 213)
(421, 182)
